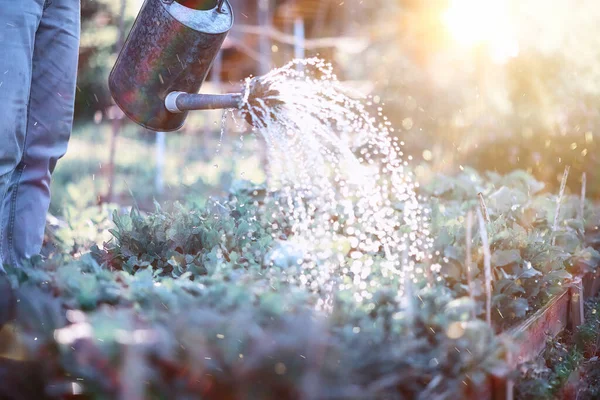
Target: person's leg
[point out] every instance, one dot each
(51, 102)
(19, 21)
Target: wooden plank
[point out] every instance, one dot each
(596, 285)
(591, 284)
(530, 336)
(588, 282)
(576, 311)
(565, 309)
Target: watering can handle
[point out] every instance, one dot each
(219, 8)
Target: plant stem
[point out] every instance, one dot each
(583, 189)
(408, 290)
(487, 264)
(561, 193)
(484, 210)
(469, 238)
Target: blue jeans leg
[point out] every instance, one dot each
(18, 23)
(48, 124)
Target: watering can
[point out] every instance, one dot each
(165, 60)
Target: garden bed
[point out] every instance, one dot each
(530, 338)
(188, 301)
(564, 370)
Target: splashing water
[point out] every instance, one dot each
(339, 177)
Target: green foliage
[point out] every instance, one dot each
(235, 335)
(543, 381)
(204, 302)
(591, 383)
(231, 235)
(527, 268)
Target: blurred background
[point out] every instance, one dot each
(495, 85)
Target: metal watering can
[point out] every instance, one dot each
(165, 60)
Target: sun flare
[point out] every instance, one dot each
(488, 23)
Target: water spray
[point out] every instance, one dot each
(337, 169)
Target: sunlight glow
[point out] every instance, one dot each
(487, 23)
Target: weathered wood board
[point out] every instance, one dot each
(530, 337)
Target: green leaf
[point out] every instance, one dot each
(461, 309)
(504, 200)
(529, 272)
(560, 275)
(575, 224)
(503, 258)
(520, 307)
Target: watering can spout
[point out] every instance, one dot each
(180, 102)
(262, 99)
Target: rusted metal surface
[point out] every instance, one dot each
(170, 48)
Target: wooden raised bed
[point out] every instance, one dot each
(565, 310)
(591, 284)
(530, 336)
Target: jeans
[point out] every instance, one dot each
(39, 41)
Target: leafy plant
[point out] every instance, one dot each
(527, 268)
(205, 302)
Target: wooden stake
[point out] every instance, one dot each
(487, 264)
(563, 185)
(510, 383)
